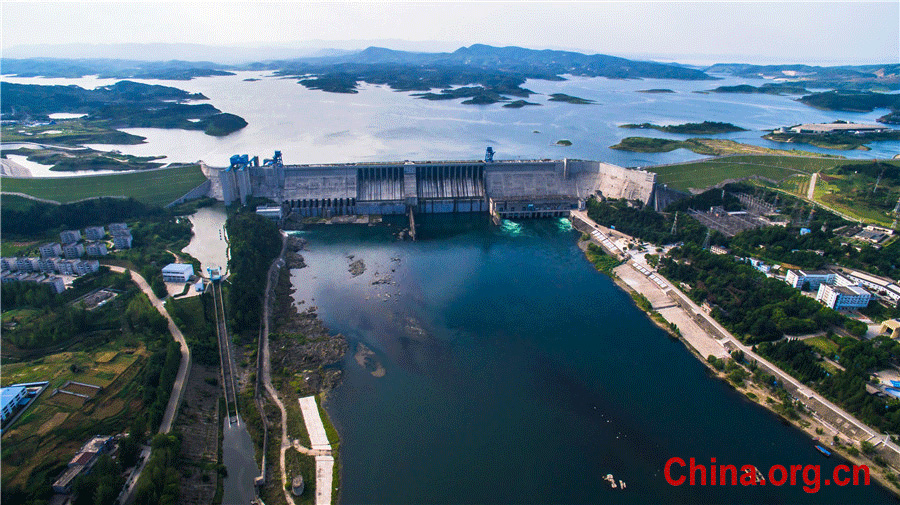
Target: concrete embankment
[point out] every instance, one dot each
(319, 441)
(706, 336)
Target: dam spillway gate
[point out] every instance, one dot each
(518, 189)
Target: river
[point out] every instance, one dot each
(516, 373)
(379, 124)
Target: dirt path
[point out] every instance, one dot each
(267, 369)
(811, 192)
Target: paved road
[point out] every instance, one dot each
(783, 376)
(811, 192)
(180, 380)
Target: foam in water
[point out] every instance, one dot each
(511, 228)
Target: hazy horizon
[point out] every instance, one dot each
(719, 32)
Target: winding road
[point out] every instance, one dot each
(180, 380)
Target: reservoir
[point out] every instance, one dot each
(513, 372)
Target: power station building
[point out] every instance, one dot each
(516, 189)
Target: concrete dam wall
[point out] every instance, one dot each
(504, 188)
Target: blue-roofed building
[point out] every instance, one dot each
(9, 400)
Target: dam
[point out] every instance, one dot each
(504, 189)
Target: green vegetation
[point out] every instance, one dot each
(562, 97)
(704, 128)
(601, 261)
(37, 218)
(712, 147)
(564, 142)
(851, 188)
(518, 104)
(840, 141)
(500, 70)
(846, 388)
(85, 159)
(69, 132)
(838, 77)
(752, 306)
(125, 104)
(111, 69)
(161, 477)
(476, 95)
(706, 173)
(766, 89)
(656, 90)
(644, 223)
(863, 101)
(154, 187)
(254, 242)
(124, 347)
(195, 317)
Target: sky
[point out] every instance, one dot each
(691, 32)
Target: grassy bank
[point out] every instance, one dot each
(153, 187)
(711, 147)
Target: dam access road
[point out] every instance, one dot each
(707, 337)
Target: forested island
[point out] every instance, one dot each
(704, 128)
(655, 90)
(113, 69)
(125, 104)
(863, 101)
(848, 77)
(835, 140)
(765, 89)
(518, 104)
(498, 71)
(562, 97)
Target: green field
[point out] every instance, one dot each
(705, 173)
(153, 187)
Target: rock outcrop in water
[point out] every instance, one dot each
(301, 343)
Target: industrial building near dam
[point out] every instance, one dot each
(505, 189)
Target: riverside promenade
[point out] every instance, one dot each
(707, 337)
(318, 439)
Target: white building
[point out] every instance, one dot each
(48, 265)
(843, 297)
(178, 272)
(69, 236)
(275, 213)
(28, 264)
(8, 265)
(95, 249)
(56, 283)
(65, 267)
(94, 232)
(797, 278)
(73, 251)
(122, 240)
(84, 267)
(51, 250)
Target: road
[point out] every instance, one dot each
(266, 372)
(811, 192)
(180, 379)
(803, 391)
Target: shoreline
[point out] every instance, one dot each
(808, 422)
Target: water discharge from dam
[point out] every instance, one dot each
(516, 373)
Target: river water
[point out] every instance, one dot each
(516, 373)
(379, 124)
(208, 243)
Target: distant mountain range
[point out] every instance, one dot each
(490, 74)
